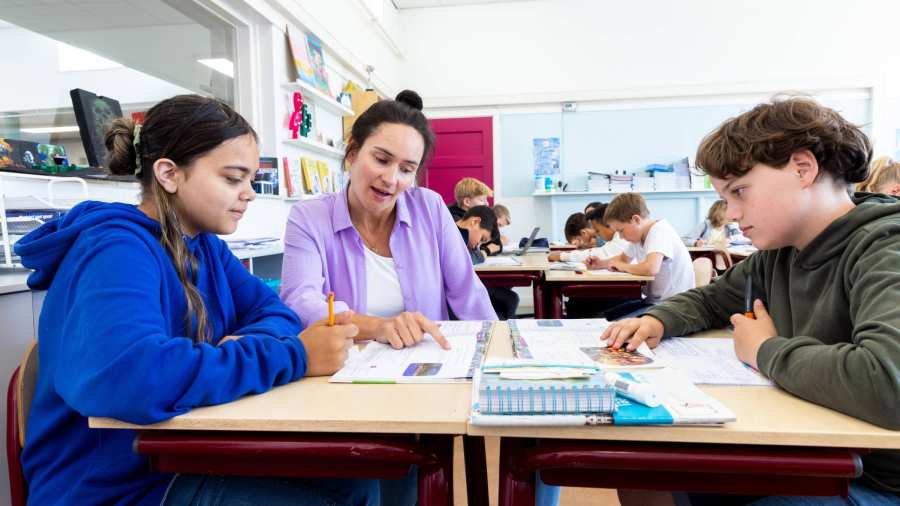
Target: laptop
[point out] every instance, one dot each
(529, 241)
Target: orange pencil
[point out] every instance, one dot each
(331, 309)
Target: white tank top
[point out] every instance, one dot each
(383, 295)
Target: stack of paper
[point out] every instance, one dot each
(643, 184)
(665, 181)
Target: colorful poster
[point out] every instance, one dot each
(546, 156)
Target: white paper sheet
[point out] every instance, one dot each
(708, 361)
(504, 260)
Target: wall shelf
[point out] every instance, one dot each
(317, 97)
(315, 147)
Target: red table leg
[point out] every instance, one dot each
(476, 471)
(516, 486)
(539, 303)
(728, 469)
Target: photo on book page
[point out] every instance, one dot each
(564, 344)
(608, 358)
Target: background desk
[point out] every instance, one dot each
(529, 273)
(611, 286)
(315, 428)
(779, 444)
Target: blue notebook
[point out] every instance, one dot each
(590, 395)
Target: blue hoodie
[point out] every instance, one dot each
(112, 344)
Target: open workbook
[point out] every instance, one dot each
(426, 362)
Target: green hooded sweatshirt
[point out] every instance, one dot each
(836, 308)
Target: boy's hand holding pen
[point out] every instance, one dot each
(752, 328)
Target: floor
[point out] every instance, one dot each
(570, 496)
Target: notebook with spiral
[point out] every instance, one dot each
(577, 396)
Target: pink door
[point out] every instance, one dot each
(464, 148)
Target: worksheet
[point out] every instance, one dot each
(708, 361)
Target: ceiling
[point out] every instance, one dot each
(65, 15)
(419, 4)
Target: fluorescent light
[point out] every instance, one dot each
(74, 59)
(49, 130)
(221, 65)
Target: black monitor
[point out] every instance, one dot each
(94, 115)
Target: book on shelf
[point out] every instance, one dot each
(293, 178)
(266, 180)
(298, 46)
(324, 176)
(310, 176)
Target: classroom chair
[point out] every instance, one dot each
(720, 257)
(18, 403)
(703, 271)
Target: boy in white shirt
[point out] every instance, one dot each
(654, 245)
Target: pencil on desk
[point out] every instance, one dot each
(331, 309)
(748, 297)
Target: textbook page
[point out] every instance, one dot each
(426, 362)
(708, 361)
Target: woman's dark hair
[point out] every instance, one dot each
(770, 133)
(406, 109)
(182, 129)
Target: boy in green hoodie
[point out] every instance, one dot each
(826, 281)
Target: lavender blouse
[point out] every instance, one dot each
(323, 252)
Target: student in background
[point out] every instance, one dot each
(716, 230)
(148, 315)
(826, 280)
(469, 192)
(590, 207)
(503, 220)
(656, 248)
(611, 244)
(884, 178)
(579, 232)
(475, 227)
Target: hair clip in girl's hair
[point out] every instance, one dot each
(137, 149)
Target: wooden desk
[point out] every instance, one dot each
(318, 429)
(780, 444)
(529, 273)
(611, 286)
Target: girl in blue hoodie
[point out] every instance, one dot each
(148, 314)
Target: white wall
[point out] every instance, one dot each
(504, 49)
